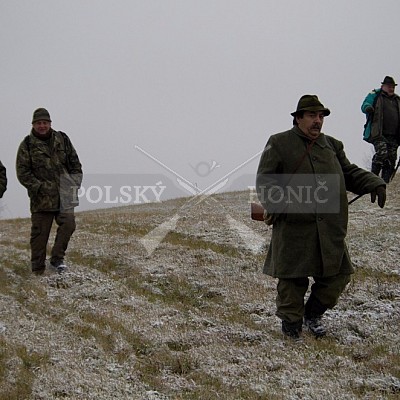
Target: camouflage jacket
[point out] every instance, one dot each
(51, 172)
(3, 179)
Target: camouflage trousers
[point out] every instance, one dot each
(40, 233)
(385, 152)
(290, 298)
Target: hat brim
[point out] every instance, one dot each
(41, 119)
(326, 111)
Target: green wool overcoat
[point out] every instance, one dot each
(3, 179)
(308, 238)
(51, 172)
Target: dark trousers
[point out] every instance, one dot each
(290, 298)
(40, 232)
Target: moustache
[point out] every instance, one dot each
(316, 126)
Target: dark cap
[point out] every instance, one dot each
(310, 102)
(41, 114)
(389, 81)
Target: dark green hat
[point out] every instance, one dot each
(41, 114)
(389, 81)
(310, 102)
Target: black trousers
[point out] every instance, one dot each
(40, 232)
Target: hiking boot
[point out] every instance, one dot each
(315, 326)
(59, 266)
(314, 310)
(38, 271)
(292, 329)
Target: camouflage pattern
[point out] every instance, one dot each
(3, 179)
(385, 149)
(51, 172)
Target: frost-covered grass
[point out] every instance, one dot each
(196, 318)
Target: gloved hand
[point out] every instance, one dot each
(369, 110)
(380, 191)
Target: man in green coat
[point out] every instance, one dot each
(3, 179)
(49, 168)
(302, 179)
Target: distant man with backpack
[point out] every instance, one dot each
(382, 128)
(49, 168)
(3, 179)
(302, 182)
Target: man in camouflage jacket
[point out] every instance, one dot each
(3, 179)
(309, 231)
(49, 168)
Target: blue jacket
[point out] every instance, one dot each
(370, 100)
(374, 123)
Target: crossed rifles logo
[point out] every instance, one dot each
(251, 239)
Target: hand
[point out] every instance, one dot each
(369, 109)
(270, 219)
(380, 191)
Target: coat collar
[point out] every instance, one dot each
(320, 141)
(45, 145)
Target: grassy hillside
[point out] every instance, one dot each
(192, 317)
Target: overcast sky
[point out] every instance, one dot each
(191, 82)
